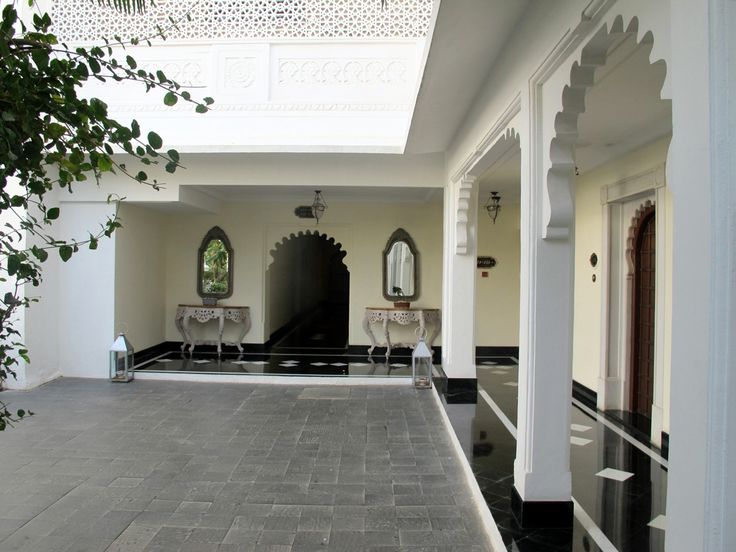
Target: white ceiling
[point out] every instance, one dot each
(300, 195)
(467, 38)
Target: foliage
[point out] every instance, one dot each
(214, 276)
(52, 137)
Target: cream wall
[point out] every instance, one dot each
(497, 296)
(254, 228)
(140, 276)
(589, 234)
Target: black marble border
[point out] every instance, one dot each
(665, 445)
(585, 395)
(461, 391)
(541, 514)
(497, 351)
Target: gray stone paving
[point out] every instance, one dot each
(171, 466)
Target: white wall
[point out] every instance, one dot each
(497, 296)
(362, 229)
(589, 235)
(86, 322)
(140, 276)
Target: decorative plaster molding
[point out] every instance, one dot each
(641, 183)
(489, 138)
(342, 72)
(240, 72)
(187, 72)
(464, 205)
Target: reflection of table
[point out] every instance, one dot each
(202, 314)
(404, 317)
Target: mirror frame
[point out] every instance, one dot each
(401, 235)
(215, 233)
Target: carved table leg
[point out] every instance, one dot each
(246, 327)
(369, 332)
(178, 324)
(387, 336)
(219, 332)
(187, 333)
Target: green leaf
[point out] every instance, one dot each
(170, 99)
(131, 62)
(141, 176)
(53, 213)
(155, 140)
(171, 167)
(173, 155)
(65, 252)
(55, 130)
(201, 108)
(208, 100)
(135, 128)
(104, 163)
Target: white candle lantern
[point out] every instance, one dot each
(421, 365)
(121, 360)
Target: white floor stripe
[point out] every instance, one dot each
(489, 523)
(593, 530)
(613, 427)
(581, 515)
(498, 412)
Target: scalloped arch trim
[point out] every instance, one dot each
(329, 241)
(561, 174)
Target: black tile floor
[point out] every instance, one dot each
(611, 514)
(299, 362)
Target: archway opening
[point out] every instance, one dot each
(308, 294)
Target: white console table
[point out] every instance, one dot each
(202, 314)
(404, 317)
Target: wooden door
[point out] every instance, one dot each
(642, 350)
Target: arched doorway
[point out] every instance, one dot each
(643, 257)
(308, 289)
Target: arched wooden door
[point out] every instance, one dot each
(642, 342)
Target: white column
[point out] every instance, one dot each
(701, 501)
(458, 284)
(542, 465)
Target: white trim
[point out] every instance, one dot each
(489, 139)
(639, 184)
(273, 380)
(489, 525)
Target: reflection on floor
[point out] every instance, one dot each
(300, 363)
(326, 327)
(619, 485)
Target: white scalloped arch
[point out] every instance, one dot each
(561, 174)
(337, 246)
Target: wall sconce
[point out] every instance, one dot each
(493, 206)
(318, 205)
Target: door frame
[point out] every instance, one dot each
(620, 201)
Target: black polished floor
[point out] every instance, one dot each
(297, 363)
(619, 484)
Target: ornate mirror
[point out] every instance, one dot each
(215, 266)
(400, 268)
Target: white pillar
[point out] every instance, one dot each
(542, 479)
(701, 501)
(458, 284)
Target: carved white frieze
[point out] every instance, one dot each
(240, 72)
(392, 72)
(186, 72)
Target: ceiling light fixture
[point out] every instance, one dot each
(318, 205)
(493, 206)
